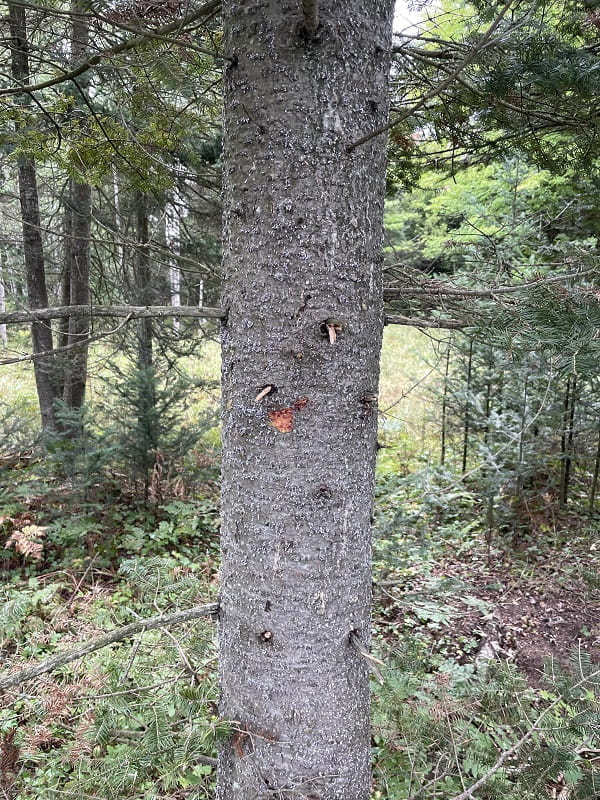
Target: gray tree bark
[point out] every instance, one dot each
(79, 292)
(142, 280)
(78, 251)
(174, 210)
(3, 334)
(37, 295)
(302, 289)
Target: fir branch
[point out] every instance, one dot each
(117, 635)
(126, 735)
(123, 47)
(468, 793)
(421, 322)
(444, 290)
(132, 312)
(485, 42)
(56, 350)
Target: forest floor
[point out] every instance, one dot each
(540, 603)
(450, 597)
(462, 600)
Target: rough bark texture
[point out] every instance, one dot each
(79, 275)
(3, 335)
(142, 281)
(78, 252)
(302, 263)
(174, 210)
(37, 295)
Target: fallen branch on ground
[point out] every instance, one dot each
(117, 635)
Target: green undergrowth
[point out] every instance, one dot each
(86, 548)
(458, 697)
(439, 732)
(138, 719)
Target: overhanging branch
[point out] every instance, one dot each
(422, 322)
(448, 291)
(109, 52)
(485, 42)
(165, 312)
(133, 312)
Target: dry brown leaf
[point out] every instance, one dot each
(27, 541)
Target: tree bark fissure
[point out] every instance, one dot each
(310, 11)
(303, 290)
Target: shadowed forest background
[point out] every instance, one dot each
(486, 553)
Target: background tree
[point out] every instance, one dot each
(35, 269)
(95, 135)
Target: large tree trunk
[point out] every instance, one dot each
(302, 287)
(37, 295)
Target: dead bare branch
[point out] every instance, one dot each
(117, 635)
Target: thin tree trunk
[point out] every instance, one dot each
(3, 334)
(173, 241)
(65, 280)
(142, 280)
(146, 384)
(467, 422)
(521, 453)
(563, 443)
(594, 488)
(566, 440)
(489, 528)
(118, 224)
(485, 474)
(302, 286)
(570, 437)
(488, 399)
(37, 295)
(81, 198)
(445, 408)
(202, 320)
(79, 250)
